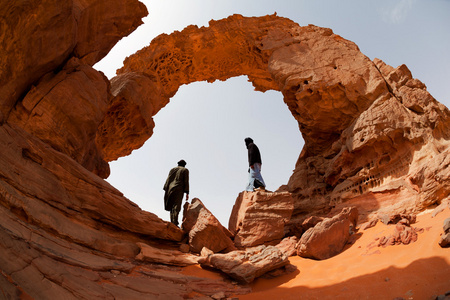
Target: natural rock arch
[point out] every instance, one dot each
(358, 117)
(66, 233)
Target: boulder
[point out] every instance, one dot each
(441, 207)
(396, 218)
(368, 224)
(246, 265)
(300, 226)
(204, 230)
(259, 217)
(165, 256)
(328, 237)
(288, 246)
(445, 238)
(402, 234)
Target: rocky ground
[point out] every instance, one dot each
(419, 270)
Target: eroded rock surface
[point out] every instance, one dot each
(368, 127)
(260, 217)
(328, 237)
(402, 234)
(445, 238)
(246, 265)
(204, 230)
(165, 256)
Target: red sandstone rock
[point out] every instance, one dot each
(260, 217)
(165, 256)
(204, 230)
(246, 265)
(445, 238)
(328, 237)
(288, 246)
(397, 218)
(65, 110)
(356, 152)
(128, 122)
(403, 234)
(441, 207)
(58, 195)
(40, 36)
(298, 227)
(374, 137)
(368, 224)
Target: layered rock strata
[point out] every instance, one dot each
(328, 237)
(246, 265)
(260, 217)
(204, 230)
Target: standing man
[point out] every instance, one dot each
(255, 179)
(176, 185)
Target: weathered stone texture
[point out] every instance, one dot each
(38, 37)
(328, 237)
(165, 256)
(445, 238)
(65, 110)
(368, 127)
(246, 265)
(259, 217)
(204, 230)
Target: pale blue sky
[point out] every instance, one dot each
(215, 118)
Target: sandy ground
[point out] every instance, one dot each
(420, 270)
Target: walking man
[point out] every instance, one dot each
(255, 179)
(176, 185)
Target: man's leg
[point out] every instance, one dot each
(257, 176)
(175, 211)
(174, 216)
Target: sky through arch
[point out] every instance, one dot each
(411, 32)
(205, 124)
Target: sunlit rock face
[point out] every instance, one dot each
(46, 80)
(374, 137)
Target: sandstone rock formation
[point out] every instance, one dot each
(259, 217)
(368, 127)
(38, 39)
(445, 238)
(246, 265)
(374, 138)
(403, 234)
(328, 237)
(165, 256)
(204, 230)
(288, 245)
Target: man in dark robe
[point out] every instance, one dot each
(176, 185)
(255, 179)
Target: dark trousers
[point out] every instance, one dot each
(175, 211)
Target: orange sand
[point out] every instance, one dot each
(420, 270)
